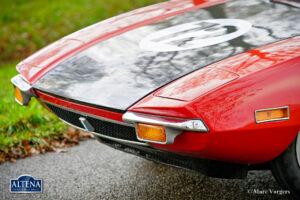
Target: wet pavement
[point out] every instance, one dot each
(95, 171)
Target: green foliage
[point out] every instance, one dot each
(26, 26)
(34, 123)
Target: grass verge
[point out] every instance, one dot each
(27, 26)
(31, 130)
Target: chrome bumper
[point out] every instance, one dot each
(25, 88)
(173, 126)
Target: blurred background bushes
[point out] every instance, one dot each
(28, 25)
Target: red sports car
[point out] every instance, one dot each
(206, 85)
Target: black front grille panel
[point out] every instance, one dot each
(103, 127)
(70, 117)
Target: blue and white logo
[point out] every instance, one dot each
(26, 184)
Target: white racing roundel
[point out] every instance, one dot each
(195, 35)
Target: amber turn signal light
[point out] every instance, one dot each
(18, 95)
(150, 132)
(273, 114)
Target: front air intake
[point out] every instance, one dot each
(100, 126)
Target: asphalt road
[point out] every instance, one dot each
(94, 171)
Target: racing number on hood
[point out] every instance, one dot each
(195, 35)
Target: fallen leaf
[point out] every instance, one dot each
(27, 148)
(34, 151)
(60, 150)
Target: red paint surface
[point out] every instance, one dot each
(35, 66)
(79, 107)
(198, 83)
(201, 81)
(269, 77)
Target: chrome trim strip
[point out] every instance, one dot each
(23, 85)
(87, 114)
(173, 126)
(22, 104)
(86, 124)
(196, 125)
(25, 88)
(272, 120)
(121, 140)
(107, 137)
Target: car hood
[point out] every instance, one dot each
(117, 72)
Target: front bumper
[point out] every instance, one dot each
(236, 145)
(25, 89)
(173, 126)
(112, 129)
